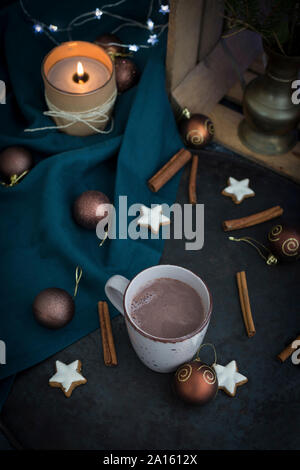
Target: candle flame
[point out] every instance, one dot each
(80, 69)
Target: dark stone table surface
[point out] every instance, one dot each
(131, 407)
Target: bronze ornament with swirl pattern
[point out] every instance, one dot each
(285, 242)
(197, 130)
(196, 382)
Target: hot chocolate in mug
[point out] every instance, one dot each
(159, 354)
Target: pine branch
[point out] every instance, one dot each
(277, 21)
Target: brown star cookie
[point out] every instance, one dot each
(238, 190)
(67, 377)
(229, 378)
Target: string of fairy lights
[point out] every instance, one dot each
(154, 30)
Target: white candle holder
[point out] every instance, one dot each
(79, 113)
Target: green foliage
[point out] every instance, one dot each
(278, 21)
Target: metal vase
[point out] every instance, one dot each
(271, 118)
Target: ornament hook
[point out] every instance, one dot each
(270, 259)
(197, 358)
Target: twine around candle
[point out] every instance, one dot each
(90, 117)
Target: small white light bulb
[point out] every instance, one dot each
(164, 9)
(133, 47)
(98, 13)
(150, 24)
(152, 39)
(38, 28)
(53, 28)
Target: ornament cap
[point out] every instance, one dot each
(186, 113)
(271, 260)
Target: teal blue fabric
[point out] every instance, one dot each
(40, 243)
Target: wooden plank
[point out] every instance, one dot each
(235, 94)
(183, 39)
(226, 124)
(211, 27)
(208, 82)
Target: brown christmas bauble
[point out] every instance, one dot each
(14, 161)
(196, 382)
(108, 41)
(90, 208)
(196, 130)
(53, 308)
(127, 74)
(285, 242)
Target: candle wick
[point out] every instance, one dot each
(80, 79)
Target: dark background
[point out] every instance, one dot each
(4, 3)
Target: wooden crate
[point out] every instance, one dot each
(201, 65)
(226, 123)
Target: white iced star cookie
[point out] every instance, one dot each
(152, 218)
(67, 377)
(238, 190)
(229, 378)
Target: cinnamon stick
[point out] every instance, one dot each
(245, 303)
(109, 352)
(288, 351)
(252, 219)
(193, 180)
(110, 338)
(169, 170)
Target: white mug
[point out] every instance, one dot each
(159, 354)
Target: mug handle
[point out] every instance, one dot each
(115, 289)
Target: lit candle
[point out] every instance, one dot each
(79, 78)
(78, 74)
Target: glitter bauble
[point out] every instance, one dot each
(53, 308)
(127, 73)
(14, 161)
(196, 382)
(108, 42)
(285, 242)
(197, 130)
(90, 208)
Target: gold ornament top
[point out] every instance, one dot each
(14, 179)
(186, 113)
